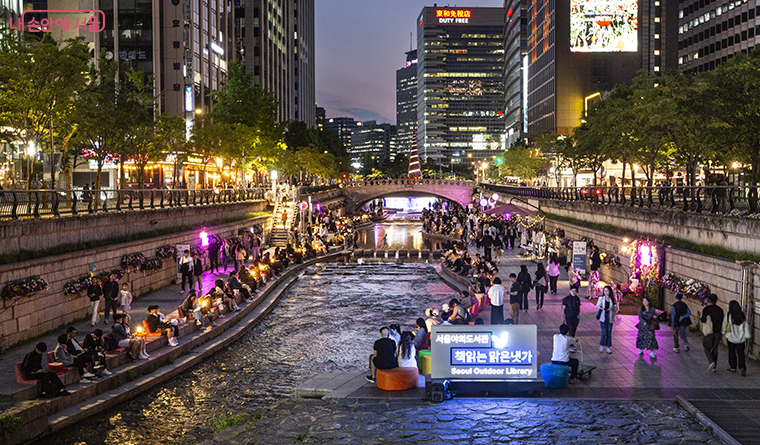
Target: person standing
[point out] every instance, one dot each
(571, 305)
(606, 309)
(126, 298)
(486, 242)
(552, 270)
(593, 278)
(213, 254)
(498, 245)
(680, 318)
(94, 292)
(186, 269)
(197, 273)
(736, 330)
(255, 247)
(111, 296)
(711, 342)
(496, 295)
(240, 255)
(540, 285)
(511, 234)
(645, 339)
(525, 281)
(515, 299)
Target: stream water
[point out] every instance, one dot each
(326, 322)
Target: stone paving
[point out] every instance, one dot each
(468, 422)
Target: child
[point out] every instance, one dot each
(126, 298)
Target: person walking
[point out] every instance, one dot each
(240, 256)
(496, 295)
(736, 330)
(646, 340)
(540, 285)
(213, 254)
(711, 342)
(486, 241)
(680, 319)
(515, 299)
(186, 269)
(572, 309)
(498, 248)
(606, 308)
(94, 292)
(552, 270)
(511, 235)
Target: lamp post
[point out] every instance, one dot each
(31, 150)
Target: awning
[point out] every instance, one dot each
(511, 209)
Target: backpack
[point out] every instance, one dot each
(109, 344)
(573, 307)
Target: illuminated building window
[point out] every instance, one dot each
(657, 52)
(657, 20)
(656, 69)
(657, 36)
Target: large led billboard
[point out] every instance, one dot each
(604, 25)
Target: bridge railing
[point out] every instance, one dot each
(16, 204)
(739, 201)
(406, 181)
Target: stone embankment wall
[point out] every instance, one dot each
(30, 317)
(46, 233)
(737, 234)
(723, 276)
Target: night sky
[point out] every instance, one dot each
(359, 46)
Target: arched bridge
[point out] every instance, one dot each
(358, 193)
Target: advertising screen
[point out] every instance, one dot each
(500, 352)
(604, 25)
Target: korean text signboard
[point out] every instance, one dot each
(501, 352)
(579, 255)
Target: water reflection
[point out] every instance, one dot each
(326, 322)
(396, 235)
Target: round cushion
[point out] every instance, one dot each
(397, 379)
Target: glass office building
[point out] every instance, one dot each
(406, 104)
(460, 84)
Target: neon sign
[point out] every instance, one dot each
(484, 352)
(461, 16)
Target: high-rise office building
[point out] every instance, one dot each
(515, 69)
(709, 33)
(344, 126)
(576, 50)
(406, 103)
(373, 140)
(460, 84)
(658, 35)
(276, 39)
(321, 116)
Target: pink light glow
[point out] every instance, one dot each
(204, 239)
(646, 255)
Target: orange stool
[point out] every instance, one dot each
(56, 367)
(397, 379)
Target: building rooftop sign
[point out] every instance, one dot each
(453, 15)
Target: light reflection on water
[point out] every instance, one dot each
(400, 235)
(327, 322)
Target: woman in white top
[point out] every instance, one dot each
(552, 270)
(406, 353)
(606, 309)
(736, 331)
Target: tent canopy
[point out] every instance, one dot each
(510, 209)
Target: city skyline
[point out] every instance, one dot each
(356, 77)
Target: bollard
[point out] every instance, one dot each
(436, 253)
(424, 253)
(414, 253)
(402, 253)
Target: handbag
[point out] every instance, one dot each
(599, 314)
(707, 327)
(655, 323)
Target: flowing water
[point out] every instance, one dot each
(326, 322)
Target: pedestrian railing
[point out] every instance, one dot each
(16, 204)
(740, 201)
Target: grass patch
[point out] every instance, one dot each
(10, 423)
(705, 249)
(220, 422)
(26, 255)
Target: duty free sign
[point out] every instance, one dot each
(503, 352)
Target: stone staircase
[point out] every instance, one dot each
(279, 231)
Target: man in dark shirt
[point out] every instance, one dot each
(383, 355)
(712, 342)
(487, 242)
(111, 296)
(156, 325)
(515, 298)
(572, 309)
(94, 292)
(32, 368)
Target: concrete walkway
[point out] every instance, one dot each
(623, 374)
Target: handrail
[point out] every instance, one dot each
(17, 204)
(731, 200)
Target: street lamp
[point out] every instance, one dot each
(31, 151)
